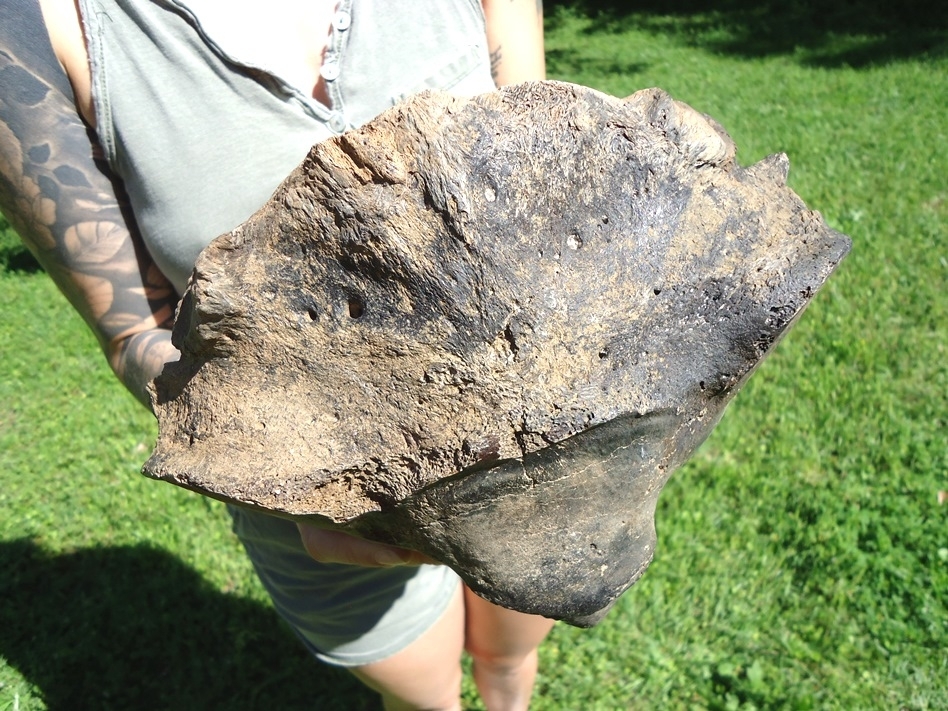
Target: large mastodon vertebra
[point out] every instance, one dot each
(490, 329)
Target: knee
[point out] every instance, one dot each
(504, 663)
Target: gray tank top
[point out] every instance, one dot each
(202, 137)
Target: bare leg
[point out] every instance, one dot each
(503, 645)
(427, 673)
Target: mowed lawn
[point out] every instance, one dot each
(803, 553)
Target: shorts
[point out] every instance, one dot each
(345, 615)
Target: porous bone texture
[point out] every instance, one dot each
(490, 329)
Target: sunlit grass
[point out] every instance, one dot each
(803, 557)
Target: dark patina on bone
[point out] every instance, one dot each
(490, 329)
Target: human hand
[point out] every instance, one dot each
(327, 546)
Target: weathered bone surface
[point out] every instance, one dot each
(490, 330)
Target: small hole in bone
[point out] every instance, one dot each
(356, 307)
(313, 313)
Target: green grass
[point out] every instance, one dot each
(803, 557)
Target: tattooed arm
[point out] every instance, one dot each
(515, 40)
(70, 211)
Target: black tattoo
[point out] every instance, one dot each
(72, 213)
(496, 57)
(143, 356)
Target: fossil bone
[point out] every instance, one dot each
(490, 329)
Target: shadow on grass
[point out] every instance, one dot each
(15, 259)
(829, 33)
(134, 628)
(14, 256)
